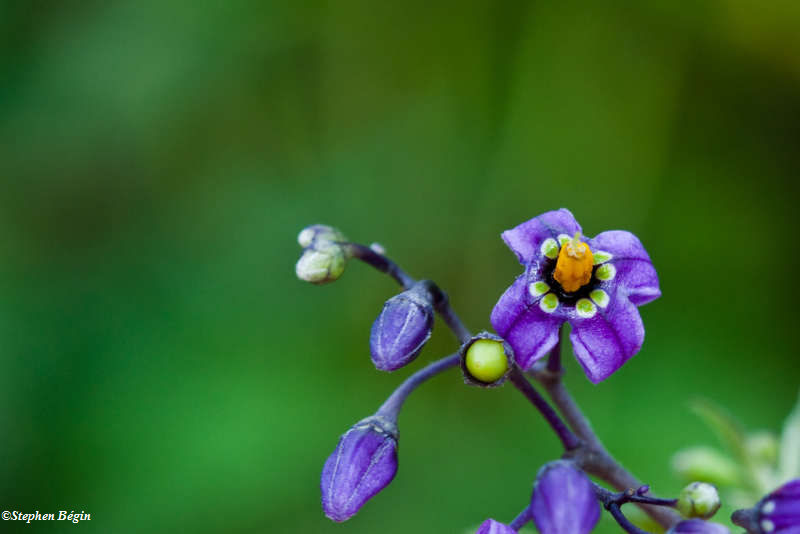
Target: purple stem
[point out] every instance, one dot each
(623, 521)
(554, 360)
(631, 495)
(440, 300)
(568, 439)
(391, 407)
(380, 262)
(522, 519)
(592, 456)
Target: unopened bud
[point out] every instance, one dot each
(698, 499)
(363, 463)
(322, 265)
(402, 328)
(324, 258)
(318, 232)
(564, 500)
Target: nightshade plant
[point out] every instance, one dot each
(595, 285)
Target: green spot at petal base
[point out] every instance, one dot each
(599, 297)
(585, 308)
(549, 303)
(550, 248)
(606, 272)
(601, 256)
(538, 288)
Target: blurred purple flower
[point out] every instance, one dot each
(594, 284)
(490, 526)
(777, 513)
(363, 463)
(698, 526)
(402, 328)
(564, 501)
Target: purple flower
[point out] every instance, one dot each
(698, 526)
(594, 284)
(402, 328)
(363, 463)
(563, 500)
(777, 513)
(490, 526)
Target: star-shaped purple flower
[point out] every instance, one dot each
(594, 284)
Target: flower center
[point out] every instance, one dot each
(574, 265)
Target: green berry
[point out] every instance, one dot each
(486, 360)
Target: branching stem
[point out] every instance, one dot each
(592, 455)
(391, 407)
(441, 301)
(568, 439)
(583, 446)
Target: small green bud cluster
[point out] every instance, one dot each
(698, 499)
(324, 256)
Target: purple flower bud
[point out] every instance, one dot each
(490, 526)
(563, 500)
(364, 462)
(402, 328)
(698, 526)
(777, 513)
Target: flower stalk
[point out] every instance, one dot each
(522, 519)
(391, 407)
(592, 456)
(568, 439)
(441, 301)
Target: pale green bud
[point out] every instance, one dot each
(324, 258)
(705, 463)
(699, 499)
(318, 233)
(322, 264)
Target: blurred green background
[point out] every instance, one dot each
(162, 368)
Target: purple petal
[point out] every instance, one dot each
(490, 526)
(635, 272)
(782, 509)
(363, 463)
(529, 331)
(401, 330)
(698, 526)
(606, 341)
(563, 500)
(526, 239)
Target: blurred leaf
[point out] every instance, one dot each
(789, 463)
(727, 429)
(705, 464)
